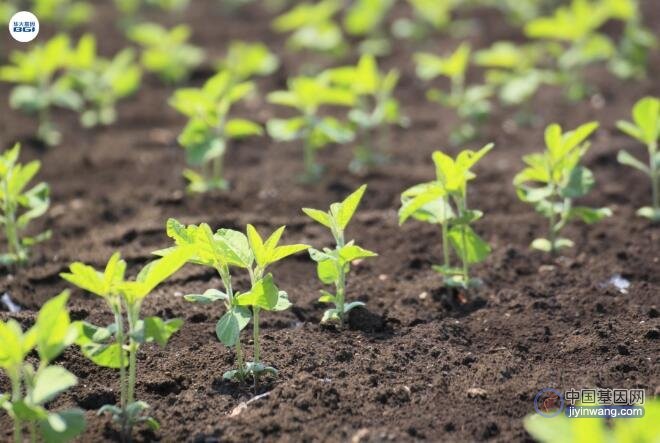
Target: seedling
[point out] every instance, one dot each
(227, 249)
(65, 13)
(365, 19)
(333, 265)
(116, 345)
(444, 202)
(576, 27)
(101, 82)
(560, 179)
(41, 86)
(428, 16)
(210, 129)
(312, 27)
(646, 129)
(375, 107)
(166, 52)
(245, 60)
(470, 103)
(33, 387)
(20, 206)
(512, 71)
(307, 95)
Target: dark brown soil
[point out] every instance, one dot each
(403, 369)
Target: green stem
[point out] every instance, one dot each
(445, 234)
(119, 321)
(225, 276)
(15, 377)
(255, 334)
(309, 161)
(552, 234)
(655, 176)
(341, 280)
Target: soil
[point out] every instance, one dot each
(416, 364)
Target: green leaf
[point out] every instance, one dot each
(472, 247)
(319, 216)
(156, 272)
(542, 244)
(62, 426)
(327, 297)
(646, 114)
(263, 294)
(209, 296)
(155, 329)
(53, 330)
(257, 246)
(14, 346)
(282, 252)
(92, 341)
(589, 215)
(351, 252)
(50, 382)
(649, 212)
(580, 182)
(625, 158)
(231, 324)
(347, 207)
(283, 302)
(327, 271)
(240, 128)
(418, 199)
(234, 248)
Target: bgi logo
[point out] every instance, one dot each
(24, 26)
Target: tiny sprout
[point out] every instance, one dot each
(166, 52)
(444, 202)
(645, 129)
(470, 103)
(562, 179)
(375, 107)
(20, 206)
(307, 95)
(116, 345)
(333, 265)
(209, 129)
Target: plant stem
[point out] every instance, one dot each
(15, 377)
(255, 334)
(445, 234)
(655, 176)
(119, 321)
(309, 161)
(552, 234)
(225, 276)
(13, 243)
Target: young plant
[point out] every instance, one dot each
(375, 109)
(41, 86)
(245, 60)
(571, 33)
(312, 27)
(65, 13)
(428, 16)
(166, 52)
(19, 206)
(444, 202)
(512, 71)
(307, 95)
(333, 265)
(116, 345)
(646, 129)
(209, 129)
(227, 249)
(365, 19)
(470, 102)
(101, 82)
(560, 179)
(32, 387)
